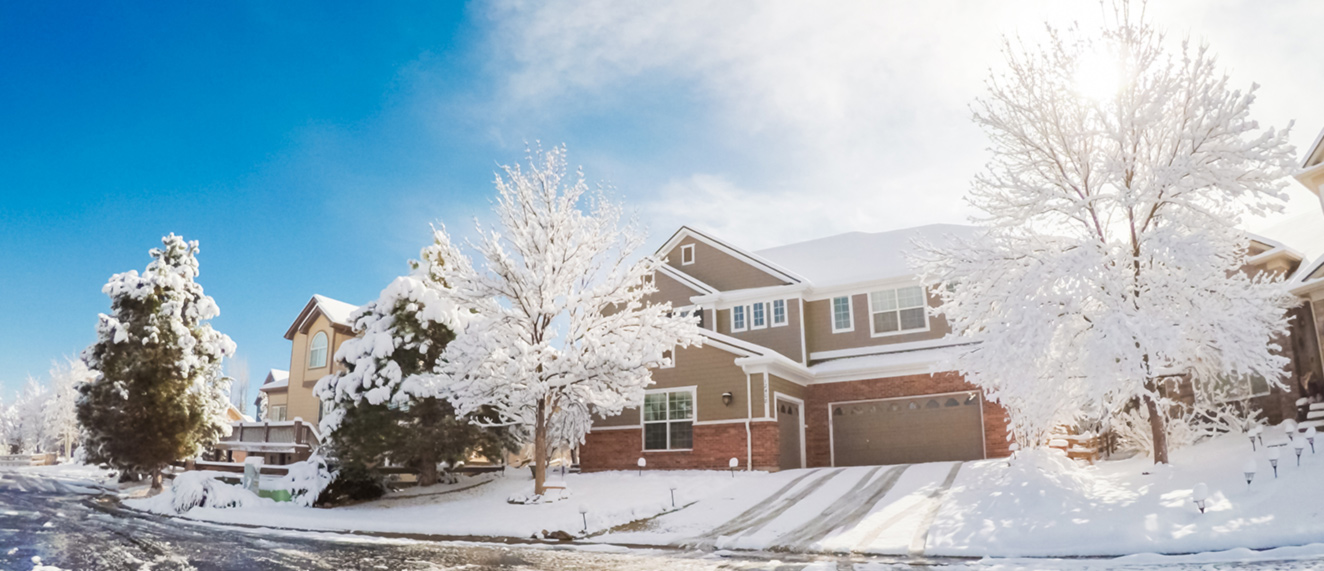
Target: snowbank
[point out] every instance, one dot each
(196, 490)
(1043, 505)
(609, 499)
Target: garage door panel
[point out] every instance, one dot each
(908, 430)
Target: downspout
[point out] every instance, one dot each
(749, 433)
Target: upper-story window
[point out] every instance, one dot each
(778, 312)
(276, 413)
(842, 320)
(317, 351)
(897, 310)
(738, 318)
(687, 254)
(759, 315)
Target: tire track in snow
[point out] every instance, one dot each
(764, 511)
(846, 512)
(934, 500)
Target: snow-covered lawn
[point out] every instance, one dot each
(1044, 507)
(609, 498)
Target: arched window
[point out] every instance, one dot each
(317, 351)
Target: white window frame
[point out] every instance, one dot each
(273, 417)
(744, 314)
(850, 313)
(671, 353)
(687, 253)
(772, 313)
(924, 304)
(326, 349)
(693, 420)
(753, 324)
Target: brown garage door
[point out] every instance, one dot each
(930, 428)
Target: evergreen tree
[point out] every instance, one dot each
(378, 413)
(157, 394)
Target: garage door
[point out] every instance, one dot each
(930, 428)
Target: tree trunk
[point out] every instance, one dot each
(156, 480)
(540, 449)
(1158, 430)
(427, 470)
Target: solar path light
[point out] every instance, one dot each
(1249, 470)
(1199, 495)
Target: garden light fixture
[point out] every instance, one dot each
(1249, 470)
(1273, 461)
(1199, 495)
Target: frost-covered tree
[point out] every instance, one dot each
(1110, 261)
(157, 395)
(554, 326)
(28, 415)
(380, 411)
(60, 413)
(238, 368)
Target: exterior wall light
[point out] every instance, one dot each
(727, 398)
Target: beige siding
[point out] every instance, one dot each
(713, 371)
(778, 385)
(819, 335)
(670, 290)
(302, 402)
(275, 398)
(719, 269)
(784, 339)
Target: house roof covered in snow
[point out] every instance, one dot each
(336, 311)
(1303, 232)
(276, 379)
(859, 256)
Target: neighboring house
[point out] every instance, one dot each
(288, 433)
(818, 353)
(1308, 282)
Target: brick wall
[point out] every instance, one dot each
(714, 446)
(817, 398)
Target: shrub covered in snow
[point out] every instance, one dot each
(198, 489)
(306, 480)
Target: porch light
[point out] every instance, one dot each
(1249, 470)
(1273, 461)
(727, 398)
(1199, 495)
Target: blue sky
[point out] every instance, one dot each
(308, 145)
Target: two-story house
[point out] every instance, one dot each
(819, 353)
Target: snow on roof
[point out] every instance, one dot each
(859, 256)
(335, 310)
(276, 379)
(1303, 232)
(910, 361)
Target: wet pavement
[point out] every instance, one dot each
(72, 527)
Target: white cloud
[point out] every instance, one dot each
(843, 115)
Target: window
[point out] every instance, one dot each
(276, 413)
(1227, 388)
(841, 315)
(317, 351)
(670, 356)
(687, 254)
(760, 316)
(738, 318)
(778, 312)
(669, 419)
(897, 310)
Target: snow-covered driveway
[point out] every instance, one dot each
(870, 509)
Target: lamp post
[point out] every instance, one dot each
(642, 463)
(1249, 470)
(1273, 461)
(1199, 495)
(733, 464)
(1310, 437)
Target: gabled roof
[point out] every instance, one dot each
(276, 379)
(1308, 277)
(1315, 155)
(757, 262)
(859, 256)
(687, 280)
(337, 312)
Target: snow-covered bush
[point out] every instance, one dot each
(198, 489)
(306, 480)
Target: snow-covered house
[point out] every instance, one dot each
(288, 431)
(1308, 282)
(817, 353)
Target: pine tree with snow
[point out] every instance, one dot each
(380, 412)
(60, 413)
(157, 395)
(554, 326)
(1110, 261)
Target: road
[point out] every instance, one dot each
(74, 528)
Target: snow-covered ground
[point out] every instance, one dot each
(609, 499)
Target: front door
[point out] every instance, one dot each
(788, 426)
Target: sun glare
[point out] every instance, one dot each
(1096, 76)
